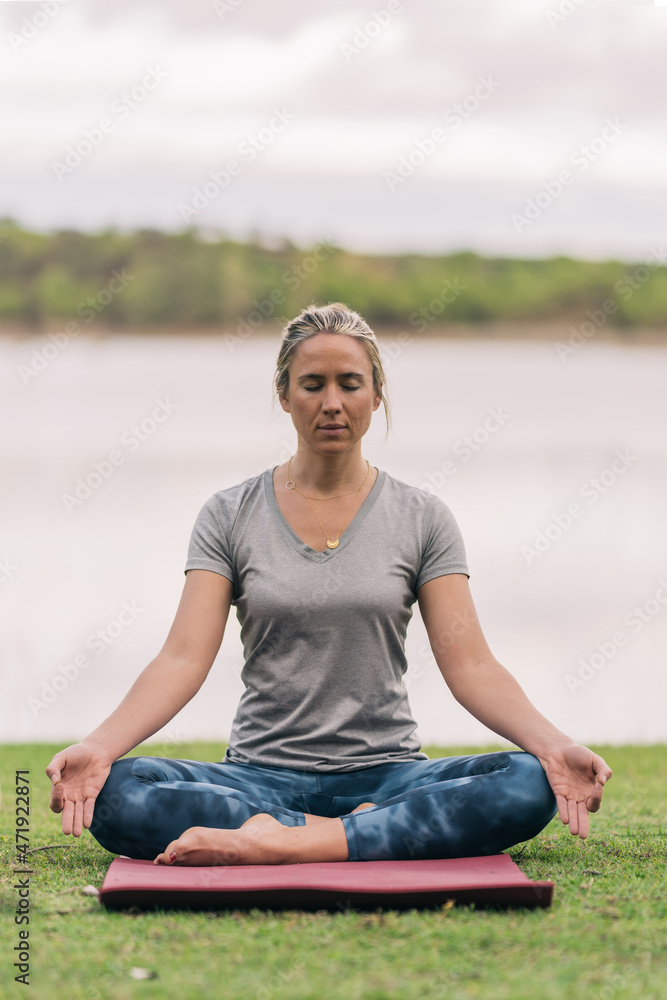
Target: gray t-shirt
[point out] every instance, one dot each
(324, 632)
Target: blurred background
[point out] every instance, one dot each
(485, 183)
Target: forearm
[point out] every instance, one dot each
(158, 694)
(489, 692)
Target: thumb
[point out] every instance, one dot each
(54, 769)
(601, 770)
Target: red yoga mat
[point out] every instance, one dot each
(494, 880)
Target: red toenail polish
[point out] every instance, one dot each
(172, 856)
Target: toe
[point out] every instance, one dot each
(169, 855)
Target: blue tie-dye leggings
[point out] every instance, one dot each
(447, 807)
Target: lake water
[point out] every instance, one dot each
(555, 470)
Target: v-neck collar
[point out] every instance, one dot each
(347, 535)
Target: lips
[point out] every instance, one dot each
(332, 427)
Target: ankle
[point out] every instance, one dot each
(261, 841)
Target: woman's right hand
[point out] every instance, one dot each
(77, 775)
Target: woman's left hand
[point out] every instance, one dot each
(577, 777)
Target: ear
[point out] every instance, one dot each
(284, 402)
(378, 398)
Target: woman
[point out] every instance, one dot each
(323, 558)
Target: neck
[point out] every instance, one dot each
(326, 474)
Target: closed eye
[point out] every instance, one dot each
(314, 388)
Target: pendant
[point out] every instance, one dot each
(333, 545)
(290, 484)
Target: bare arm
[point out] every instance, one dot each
(489, 692)
(159, 693)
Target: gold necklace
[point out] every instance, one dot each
(291, 485)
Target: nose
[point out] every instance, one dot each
(331, 402)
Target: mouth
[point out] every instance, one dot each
(332, 427)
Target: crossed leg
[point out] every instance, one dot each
(452, 807)
(502, 799)
(261, 840)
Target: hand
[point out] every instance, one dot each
(577, 777)
(77, 775)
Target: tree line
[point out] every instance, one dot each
(192, 279)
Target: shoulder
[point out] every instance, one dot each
(227, 502)
(405, 496)
(428, 525)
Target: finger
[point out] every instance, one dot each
(601, 769)
(77, 823)
(582, 816)
(88, 808)
(594, 801)
(574, 817)
(56, 799)
(563, 811)
(68, 815)
(54, 768)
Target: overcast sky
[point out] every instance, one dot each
(506, 126)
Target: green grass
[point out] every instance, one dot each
(603, 938)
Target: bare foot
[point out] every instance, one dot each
(261, 840)
(251, 844)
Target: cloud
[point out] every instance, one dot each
(354, 115)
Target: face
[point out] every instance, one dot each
(330, 396)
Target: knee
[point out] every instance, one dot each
(533, 786)
(112, 797)
(530, 771)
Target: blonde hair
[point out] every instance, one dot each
(333, 318)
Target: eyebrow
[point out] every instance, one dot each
(343, 375)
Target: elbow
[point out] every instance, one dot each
(464, 676)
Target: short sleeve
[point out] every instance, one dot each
(209, 546)
(443, 547)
